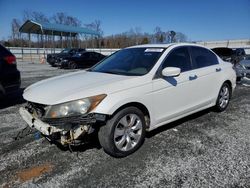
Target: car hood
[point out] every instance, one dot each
(75, 86)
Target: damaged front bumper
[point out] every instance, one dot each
(64, 131)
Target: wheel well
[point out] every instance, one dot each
(229, 83)
(141, 107)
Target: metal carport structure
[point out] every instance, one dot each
(34, 27)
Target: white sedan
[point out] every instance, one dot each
(135, 90)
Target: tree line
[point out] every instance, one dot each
(134, 36)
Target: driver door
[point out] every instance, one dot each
(174, 96)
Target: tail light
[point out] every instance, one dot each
(10, 59)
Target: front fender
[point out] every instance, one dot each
(114, 101)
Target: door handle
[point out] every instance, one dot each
(193, 77)
(218, 69)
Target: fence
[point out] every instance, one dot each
(229, 44)
(37, 54)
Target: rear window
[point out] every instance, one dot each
(203, 57)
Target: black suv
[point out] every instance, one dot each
(9, 75)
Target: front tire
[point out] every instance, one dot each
(124, 133)
(73, 65)
(223, 97)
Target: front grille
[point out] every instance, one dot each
(84, 119)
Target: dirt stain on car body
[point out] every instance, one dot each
(34, 172)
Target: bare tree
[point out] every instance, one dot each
(26, 15)
(15, 25)
(36, 16)
(73, 21)
(174, 36)
(15, 34)
(59, 18)
(159, 35)
(96, 26)
(180, 37)
(171, 36)
(63, 18)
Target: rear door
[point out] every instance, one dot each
(208, 72)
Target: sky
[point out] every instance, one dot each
(199, 20)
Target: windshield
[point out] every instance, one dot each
(77, 55)
(130, 62)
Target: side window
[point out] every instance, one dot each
(178, 58)
(203, 57)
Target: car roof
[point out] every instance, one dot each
(165, 45)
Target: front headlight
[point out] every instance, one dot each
(74, 108)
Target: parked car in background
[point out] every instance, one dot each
(83, 59)
(243, 68)
(239, 52)
(134, 90)
(56, 58)
(231, 55)
(227, 54)
(9, 75)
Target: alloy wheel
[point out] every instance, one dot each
(224, 96)
(128, 132)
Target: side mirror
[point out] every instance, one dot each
(171, 71)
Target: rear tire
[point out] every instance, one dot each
(124, 133)
(223, 98)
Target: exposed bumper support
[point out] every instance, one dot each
(64, 134)
(33, 122)
(65, 137)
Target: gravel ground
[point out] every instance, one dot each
(207, 149)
